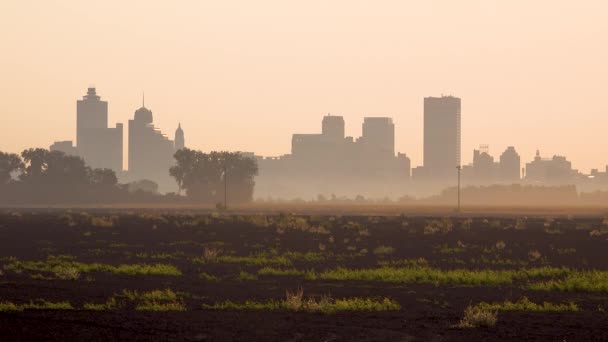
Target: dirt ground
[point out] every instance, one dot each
(429, 312)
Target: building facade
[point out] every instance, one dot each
(441, 153)
(99, 145)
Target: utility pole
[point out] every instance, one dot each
(225, 187)
(459, 168)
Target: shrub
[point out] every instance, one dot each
(475, 316)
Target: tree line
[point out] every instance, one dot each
(40, 176)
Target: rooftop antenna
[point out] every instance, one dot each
(143, 99)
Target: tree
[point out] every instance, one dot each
(9, 164)
(202, 175)
(103, 177)
(35, 163)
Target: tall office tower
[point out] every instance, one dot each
(509, 165)
(378, 136)
(150, 151)
(100, 146)
(441, 137)
(179, 141)
(333, 128)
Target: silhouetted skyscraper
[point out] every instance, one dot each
(179, 141)
(150, 151)
(333, 128)
(509, 165)
(441, 137)
(378, 137)
(100, 146)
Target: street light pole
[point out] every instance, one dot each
(459, 168)
(225, 187)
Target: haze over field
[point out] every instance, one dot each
(245, 75)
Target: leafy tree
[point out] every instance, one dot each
(203, 175)
(103, 177)
(9, 163)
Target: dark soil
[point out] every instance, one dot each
(428, 312)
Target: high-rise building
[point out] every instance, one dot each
(98, 145)
(333, 128)
(378, 138)
(441, 137)
(483, 167)
(509, 165)
(179, 141)
(150, 151)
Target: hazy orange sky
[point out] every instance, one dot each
(245, 75)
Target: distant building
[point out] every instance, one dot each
(100, 146)
(441, 138)
(66, 147)
(484, 168)
(378, 138)
(179, 141)
(509, 166)
(150, 151)
(557, 170)
(329, 162)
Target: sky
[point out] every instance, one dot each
(245, 75)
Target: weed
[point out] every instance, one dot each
(475, 317)
(244, 276)
(208, 277)
(534, 255)
(211, 254)
(383, 250)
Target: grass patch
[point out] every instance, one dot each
(588, 281)
(427, 275)
(156, 300)
(208, 277)
(524, 304)
(68, 268)
(110, 304)
(39, 304)
(244, 276)
(271, 271)
(295, 301)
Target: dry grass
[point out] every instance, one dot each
(476, 317)
(211, 254)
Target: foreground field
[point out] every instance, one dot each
(104, 275)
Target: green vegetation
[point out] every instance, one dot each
(39, 304)
(587, 281)
(524, 304)
(156, 300)
(296, 302)
(384, 250)
(110, 304)
(271, 271)
(247, 276)
(62, 267)
(208, 277)
(437, 276)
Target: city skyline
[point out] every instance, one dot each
(241, 84)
